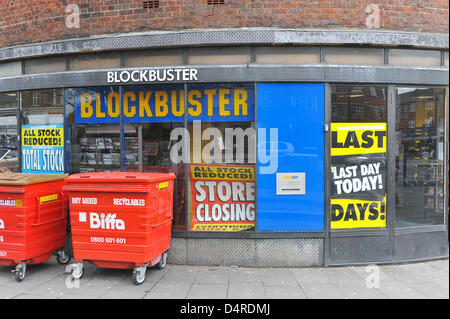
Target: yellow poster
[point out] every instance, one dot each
(354, 213)
(358, 172)
(46, 136)
(358, 138)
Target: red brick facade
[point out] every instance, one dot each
(32, 21)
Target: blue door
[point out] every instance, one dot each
(290, 122)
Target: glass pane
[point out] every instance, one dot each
(46, 65)
(222, 157)
(94, 61)
(153, 58)
(10, 69)
(361, 56)
(446, 59)
(156, 147)
(219, 55)
(42, 107)
(287, 55)
(94, 147)
(358, 157)
(8, 100)
(9, 155)
(419, 197)
(404, 57)
(359, 104)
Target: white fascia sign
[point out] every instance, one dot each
(152, 75)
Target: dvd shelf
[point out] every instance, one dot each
(434, 191)
(131, 151)
(98, 154)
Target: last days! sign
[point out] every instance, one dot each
(358, 172)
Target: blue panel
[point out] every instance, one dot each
(297, 111)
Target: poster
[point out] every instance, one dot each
(358, 174)
(222, 197)
(43, 149)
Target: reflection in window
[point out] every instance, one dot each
(9, 156)
(420, 157)
(354, 104)
(43, 107)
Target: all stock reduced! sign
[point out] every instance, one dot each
(222, 197)
(43, 149)
(165, 103)
(358, 171)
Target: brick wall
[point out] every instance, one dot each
(31, 21)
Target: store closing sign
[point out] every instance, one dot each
(222, 197)
(43, 149)
(208, 103)
(358, 171)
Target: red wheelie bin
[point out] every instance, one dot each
(33, 220)
(120, 220)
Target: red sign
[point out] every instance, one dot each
(222, 197)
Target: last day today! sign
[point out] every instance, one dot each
(358, 171)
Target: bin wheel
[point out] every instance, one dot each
(163, 262)
(20, 272)
(77, 272)
(139, 275)
(62, 257)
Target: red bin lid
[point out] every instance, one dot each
(22, 179)
(119, 177)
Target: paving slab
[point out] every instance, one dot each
(246, 290)
(278, 277)
(284, 292)
(208, 291)
(318, 290)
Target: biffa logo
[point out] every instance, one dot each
(102, 221)
(106, 222)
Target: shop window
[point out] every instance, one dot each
(8, 101)
(419, 159)
(218, 145)
(9, 156)
(222, 156)
(358, 157)
(40, 107)
(95, 145)
(155, 147)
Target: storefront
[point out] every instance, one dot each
(284, 156)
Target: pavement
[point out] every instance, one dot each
(48, 280)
